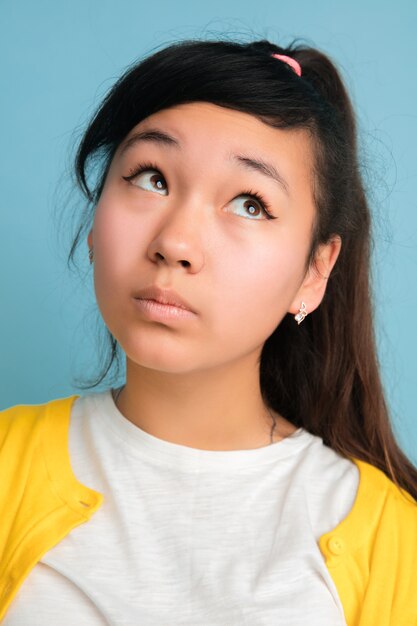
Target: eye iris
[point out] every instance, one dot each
(158, 178)
(252, 208)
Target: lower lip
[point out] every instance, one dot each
(165, 312)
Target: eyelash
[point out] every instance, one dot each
(142, 167)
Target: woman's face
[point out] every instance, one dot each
(243, 271)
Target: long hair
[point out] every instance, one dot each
(323, 375)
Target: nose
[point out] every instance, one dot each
(178, 240)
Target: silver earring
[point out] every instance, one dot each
(91, 255)
(302, 314)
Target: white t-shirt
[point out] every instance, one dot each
(191, 537)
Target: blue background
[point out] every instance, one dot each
(57, 60)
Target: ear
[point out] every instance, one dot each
(314, 284)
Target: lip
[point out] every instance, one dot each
(158, 312)
(164, 296)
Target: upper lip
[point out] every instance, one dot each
(164, 296)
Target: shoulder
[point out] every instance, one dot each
(383, 519)
(381, 500)
(372, 553)
(382, 512)
(24, 421)
(382, 490)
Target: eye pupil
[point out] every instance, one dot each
(253, 209)
(158, 180)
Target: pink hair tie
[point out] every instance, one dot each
(291, 62)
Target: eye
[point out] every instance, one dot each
(255, 208)
(154, 181)
(251, 208)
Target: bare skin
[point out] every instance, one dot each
(196, 382)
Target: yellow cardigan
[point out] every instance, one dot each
(371, 555)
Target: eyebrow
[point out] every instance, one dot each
(154, 135)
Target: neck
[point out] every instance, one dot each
(217, 410)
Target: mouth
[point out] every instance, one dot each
(164, 297)
(159, 311)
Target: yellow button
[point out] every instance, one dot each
(336, 545)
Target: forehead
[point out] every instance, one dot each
(207, 117)
(205, 133)
(204, 121)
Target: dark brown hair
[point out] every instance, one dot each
(322, 375)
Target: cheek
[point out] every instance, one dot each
(254, 292)
(119, 239)
(117, 248)
(110, 227)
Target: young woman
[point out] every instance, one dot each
(246, 472)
